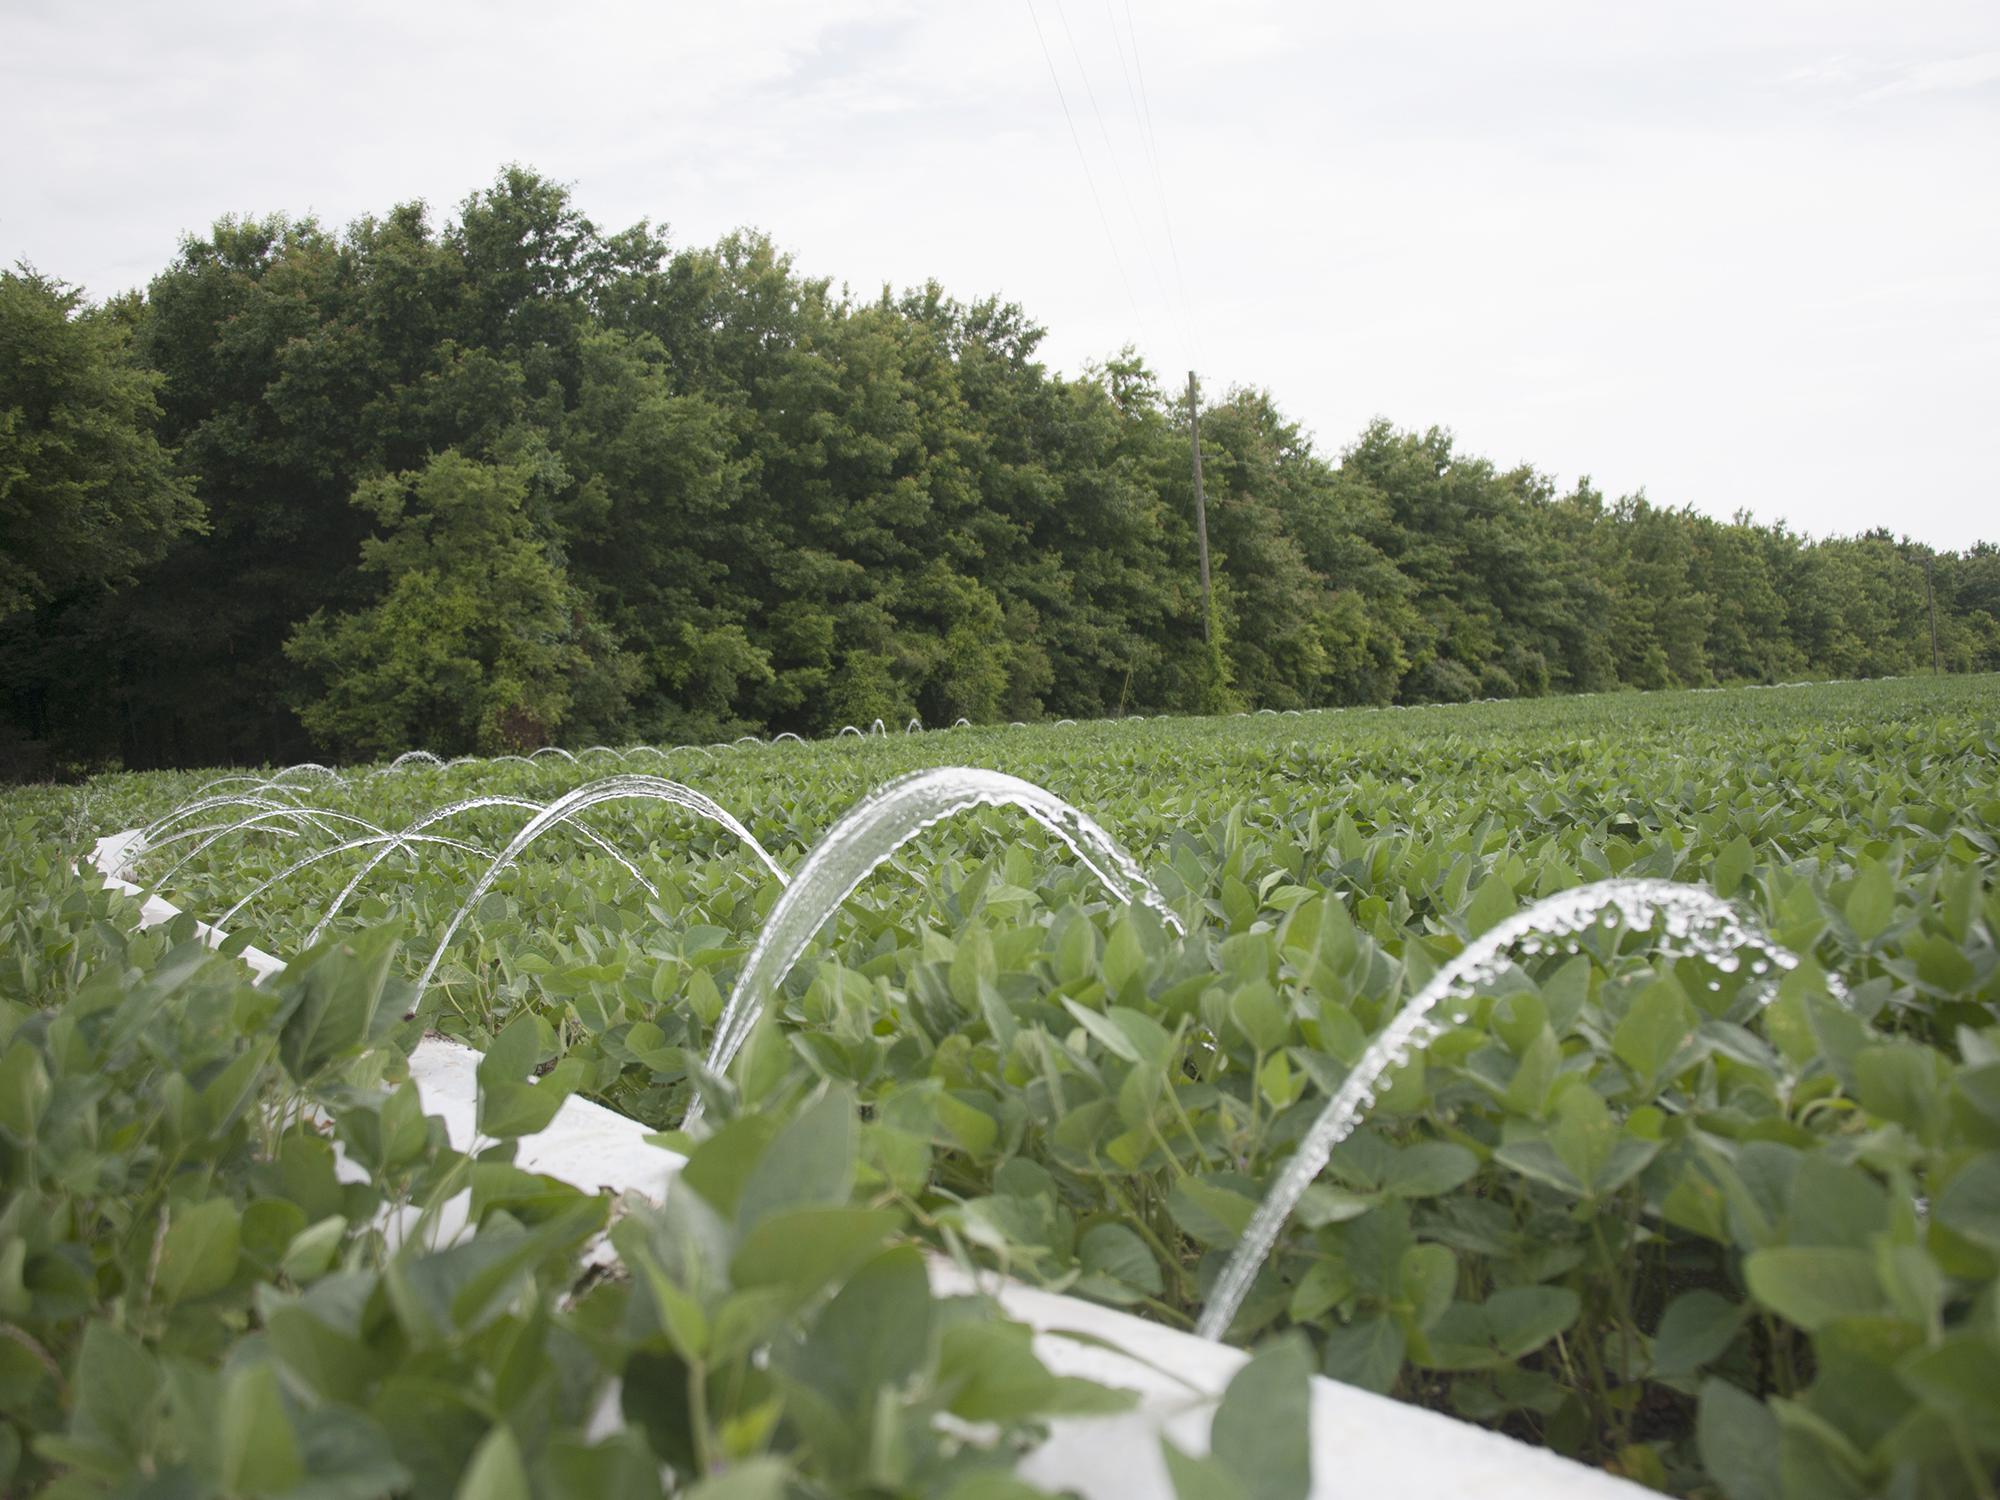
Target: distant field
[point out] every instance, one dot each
(1652, 1208)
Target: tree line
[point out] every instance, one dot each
(515, 480)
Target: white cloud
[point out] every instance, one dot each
(1947, 75)
(1740, 254)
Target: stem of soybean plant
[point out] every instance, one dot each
(704, 1451)
(1144, 1230)
(1180, 1113)
(1982, 1482)
(1779, 1339)
(1622, 1298)
(46, 1360)
(1160, 1140)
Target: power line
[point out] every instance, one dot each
(1159, 183)
(1111, 151)
(1088, 177)
(1150, 151)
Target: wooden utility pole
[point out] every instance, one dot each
(1930, 602)
(1201, 509)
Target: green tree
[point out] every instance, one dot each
(87, 493)
(478, 641)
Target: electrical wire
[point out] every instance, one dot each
(1089, 177)
(1159, 180)
(1110, 150)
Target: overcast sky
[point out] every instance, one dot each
(1740, 255)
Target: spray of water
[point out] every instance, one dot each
(626, 788)
(369, 842)
(453, 810)
(1696, 922)
(260, 785)
(311, 770)
(242, 825)
(552, 750)
(150, 836)
(865, 838)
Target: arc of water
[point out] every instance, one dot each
(745, 739)
(600, 750)
(252, 821)
(1692, 916)
(453, 810)
(611, 789)
(260, 783)
(866, 836)
(787, 735)
(849, 729)
(877, 728)
(346, 848)
(310, 768)
(1064, 724)
(149, 835)
(551, 750)
(915, 726)
(961, 723)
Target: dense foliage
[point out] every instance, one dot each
(221, 1271)
(516, 480)
(1627, 1208)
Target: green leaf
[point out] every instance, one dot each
(1263, 1430)
(259, 1451)
(1491, 904)
(1367, 1353)
(992, 1374)
(198, 1256)
(1114, 1253)
(752, 1479)
(1511, 1323)
(1652, 1031)
(1111, 1036)
(805, 1249)
(24, 1086)
(1258, 1015)
(1429, 1276)
(338, 1000)
(1429, 1169)
(1961, 1377)
(1900, 1081)
(1694, 1330)
(1208, 1212)
(1199, 1478)
(1812, 1285)
(1738, 1440)
(1871, 901)
(117, 1385)
(810, 1162)
(872, 1337)
(1730, 866)
(1970, 1202)
(496, 1471)
(510, 1106)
